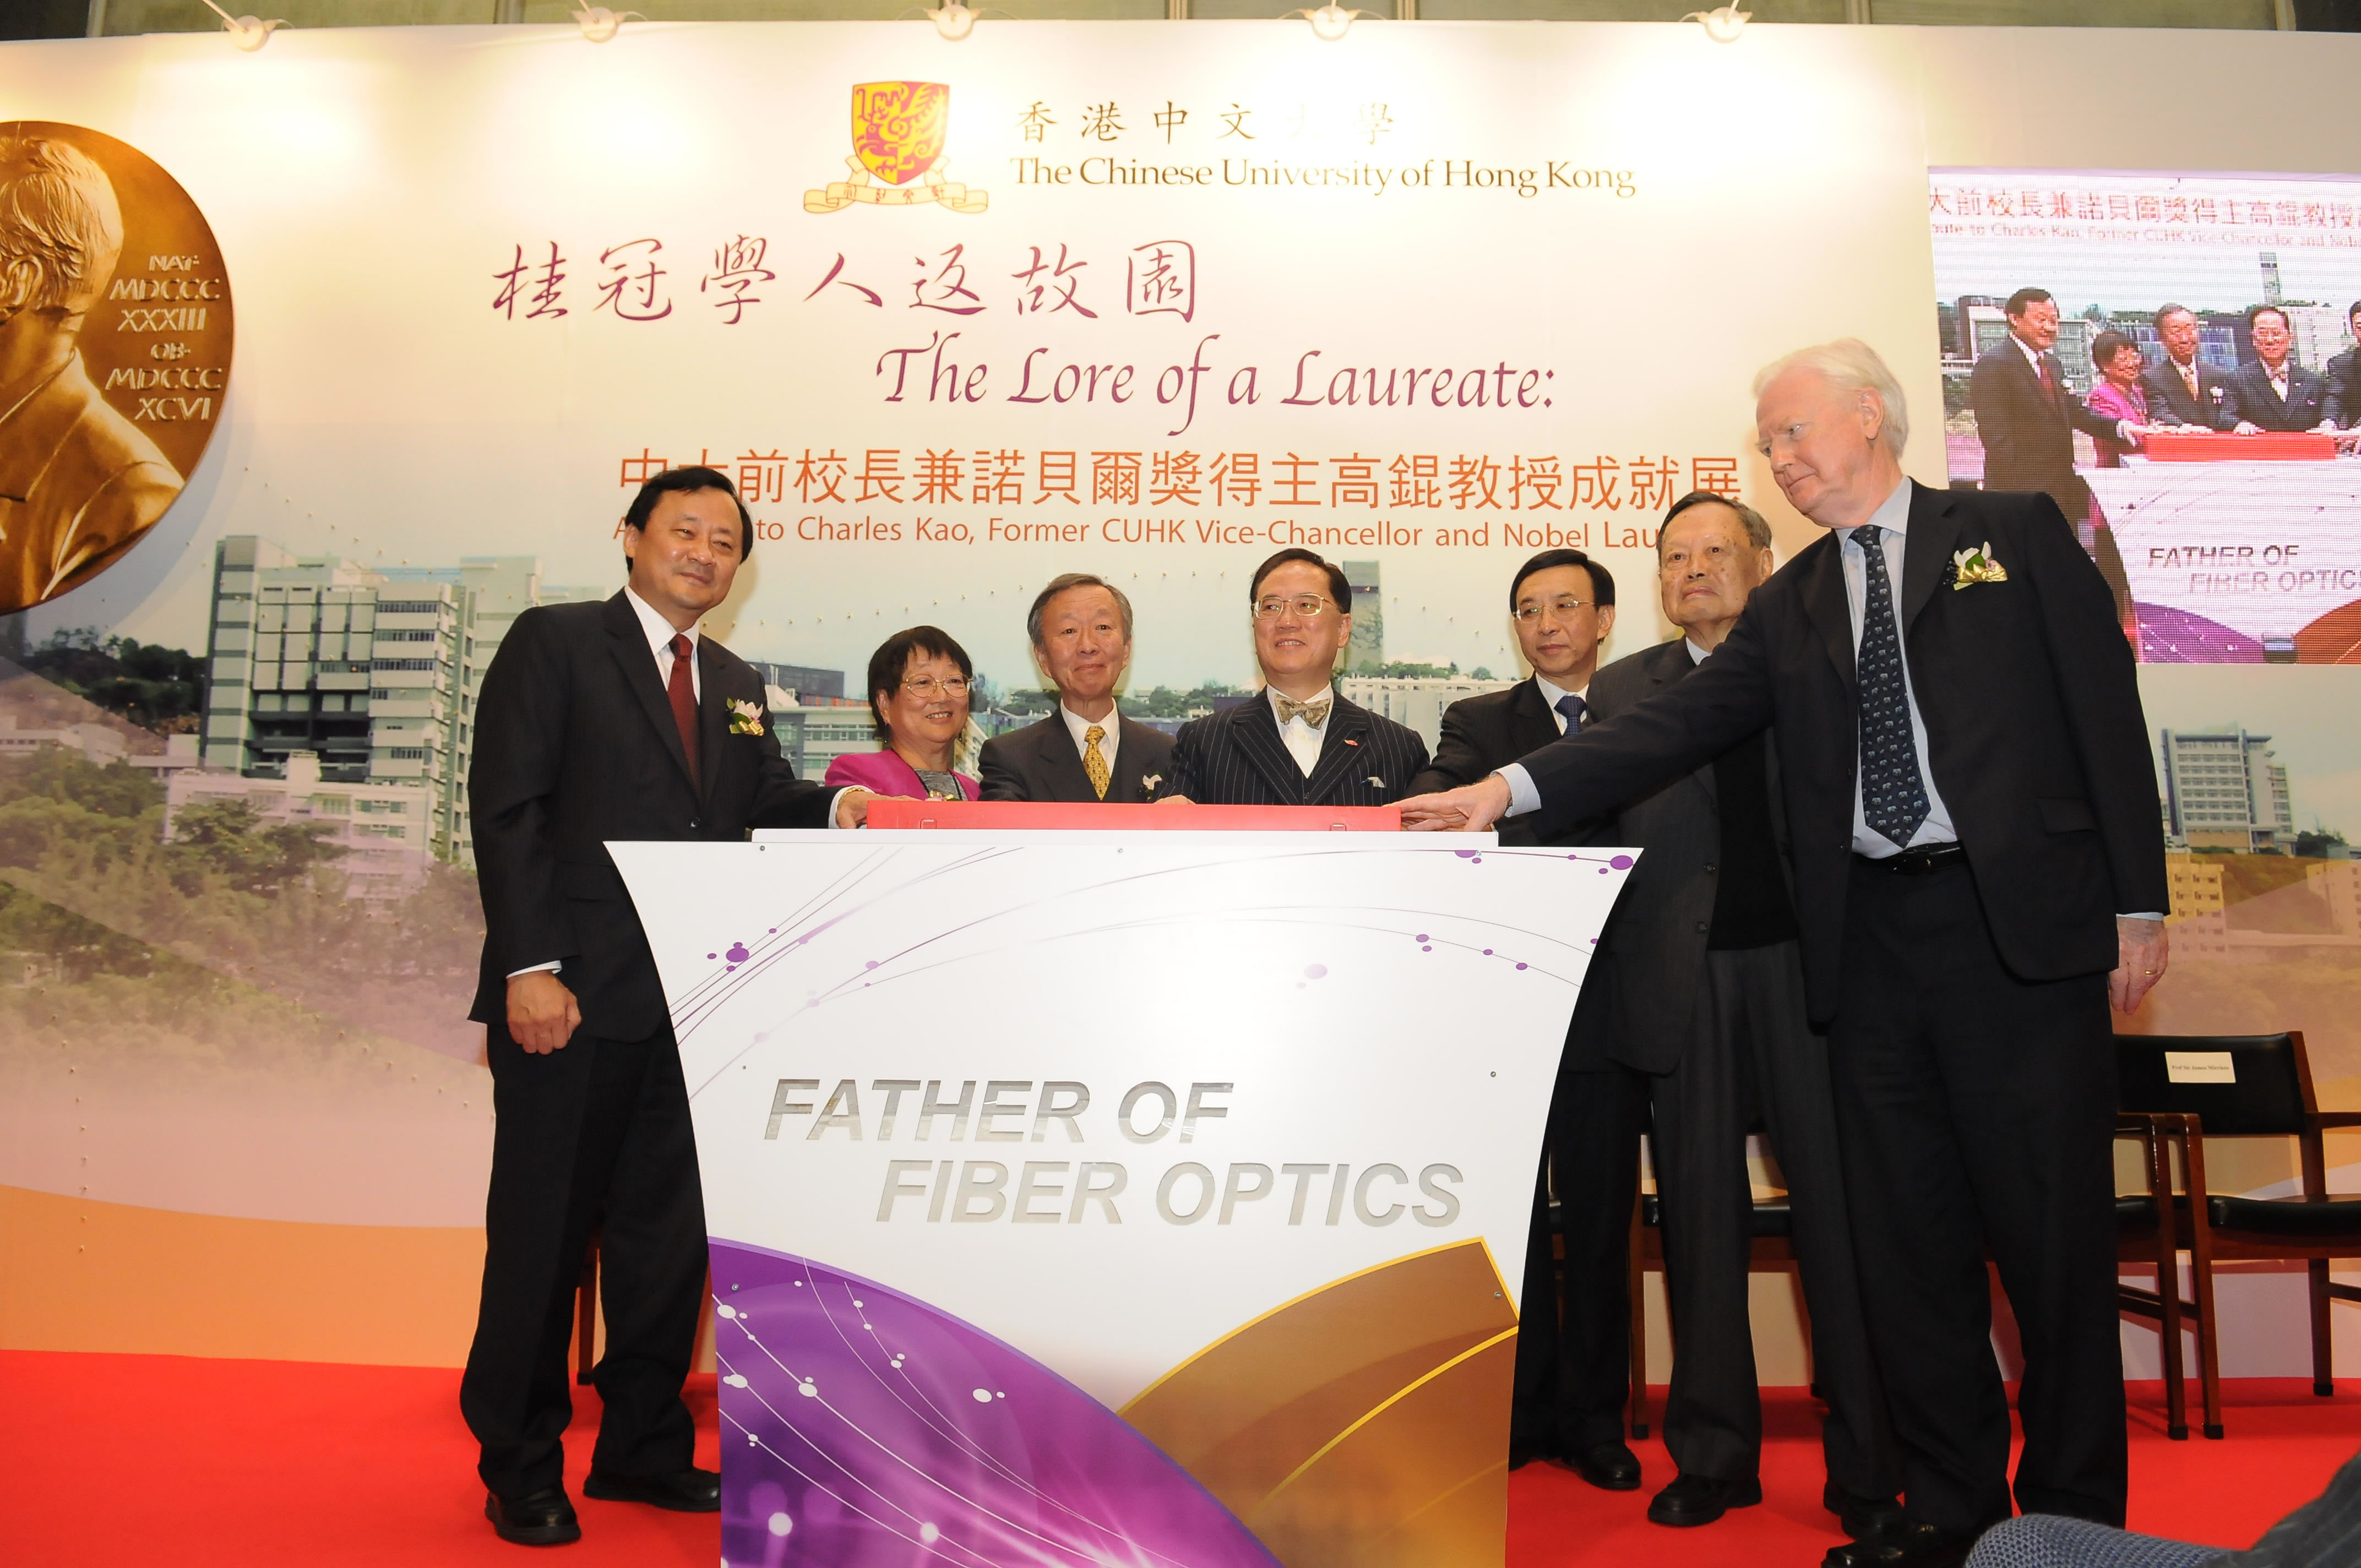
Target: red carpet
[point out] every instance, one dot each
(258, 1464)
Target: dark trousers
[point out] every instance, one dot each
(1751, 1058)
(1974, 1106)
(1574, 1368)
(595, 1136)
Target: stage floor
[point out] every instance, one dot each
(255, 1463)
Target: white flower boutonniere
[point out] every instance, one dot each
(1147, 785)
(1970, 567)
(746, 718)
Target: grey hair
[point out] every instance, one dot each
(57, 213)
(1058, 585)
(1849, 366)
(1758, 531)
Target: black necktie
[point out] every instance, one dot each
(1571, 708)
(1893, 794)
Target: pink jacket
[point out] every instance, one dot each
(887, 774)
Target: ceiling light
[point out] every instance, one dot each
(1723, 23)
(249, 33)
(599, 25)
(1329, 22)
(954, 21)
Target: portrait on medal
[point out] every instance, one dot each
(116, 331)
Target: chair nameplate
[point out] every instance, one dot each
(2200, 1067)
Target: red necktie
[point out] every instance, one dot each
(682, 689)
(2048, 380)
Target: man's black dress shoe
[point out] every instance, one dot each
(1610, 1466)
(1861, 1516)
(1701, 1500)
(684, 1491)
(538, 1518)
(1907, 1545)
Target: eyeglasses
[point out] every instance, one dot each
(926, 686)
(1529, 613)
(1305, 604)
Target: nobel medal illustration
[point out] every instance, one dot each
(115, 351)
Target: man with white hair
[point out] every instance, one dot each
(1971, 808)
(79, 483)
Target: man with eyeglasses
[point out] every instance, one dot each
(1701, 981)
(1299, 743)
(1573, 1345)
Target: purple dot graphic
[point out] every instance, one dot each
(713, 955)
(1426, 948)
(1488, 952)
(738, 953)
(1420, 938)
(1465, 854)
(1622, 863)
(871, 964)
(1316, 972)
(1520, 966)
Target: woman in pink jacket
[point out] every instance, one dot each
(918, 694)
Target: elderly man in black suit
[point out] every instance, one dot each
(1574, 1338)
(2344, 406)
(2182, 389)
(604, 721)
(2274, 392)
(1704, 990)
(1971, 802)
(1297, 743)
(1086, 751)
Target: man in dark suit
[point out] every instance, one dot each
(1574, 1337)
(2275, 393)
(597, 722)
(1703, 988)
(1297, 743)
(1979, 870)
(2024, 415)
(2344, 407)
(1081, 628)
(2182, 389)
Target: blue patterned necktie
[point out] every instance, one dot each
(1571, 708)
(1893, 794)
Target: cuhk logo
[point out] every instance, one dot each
(898, 131)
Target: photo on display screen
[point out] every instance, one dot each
(2173, 358)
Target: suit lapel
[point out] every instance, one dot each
(712, 720)
(1926, 548)
(1256, 730)
(1063, 764)
(1830, 611)
(1344, 754)
(630, 644)
(1531, 725)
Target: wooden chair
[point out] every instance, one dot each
(2177, 1091)
(2146, 1231)
(1770, 1249)
(586, 1316)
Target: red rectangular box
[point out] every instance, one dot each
(2271, 446)
(1051, 815)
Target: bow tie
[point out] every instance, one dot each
(1314, 713)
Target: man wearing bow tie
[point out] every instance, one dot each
(1971, 801)
(1299, 743)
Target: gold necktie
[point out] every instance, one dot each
(1314, 713)
(1094, 760)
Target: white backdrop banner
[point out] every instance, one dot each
(1233, 1133)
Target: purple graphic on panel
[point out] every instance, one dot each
(860, 1427)
(2172, 636)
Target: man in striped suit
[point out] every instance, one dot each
(1297, 743)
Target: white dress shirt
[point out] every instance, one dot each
(1696, 655)
(1551, 693)
(1303, 742)
(1079, 728)
(660, 633)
